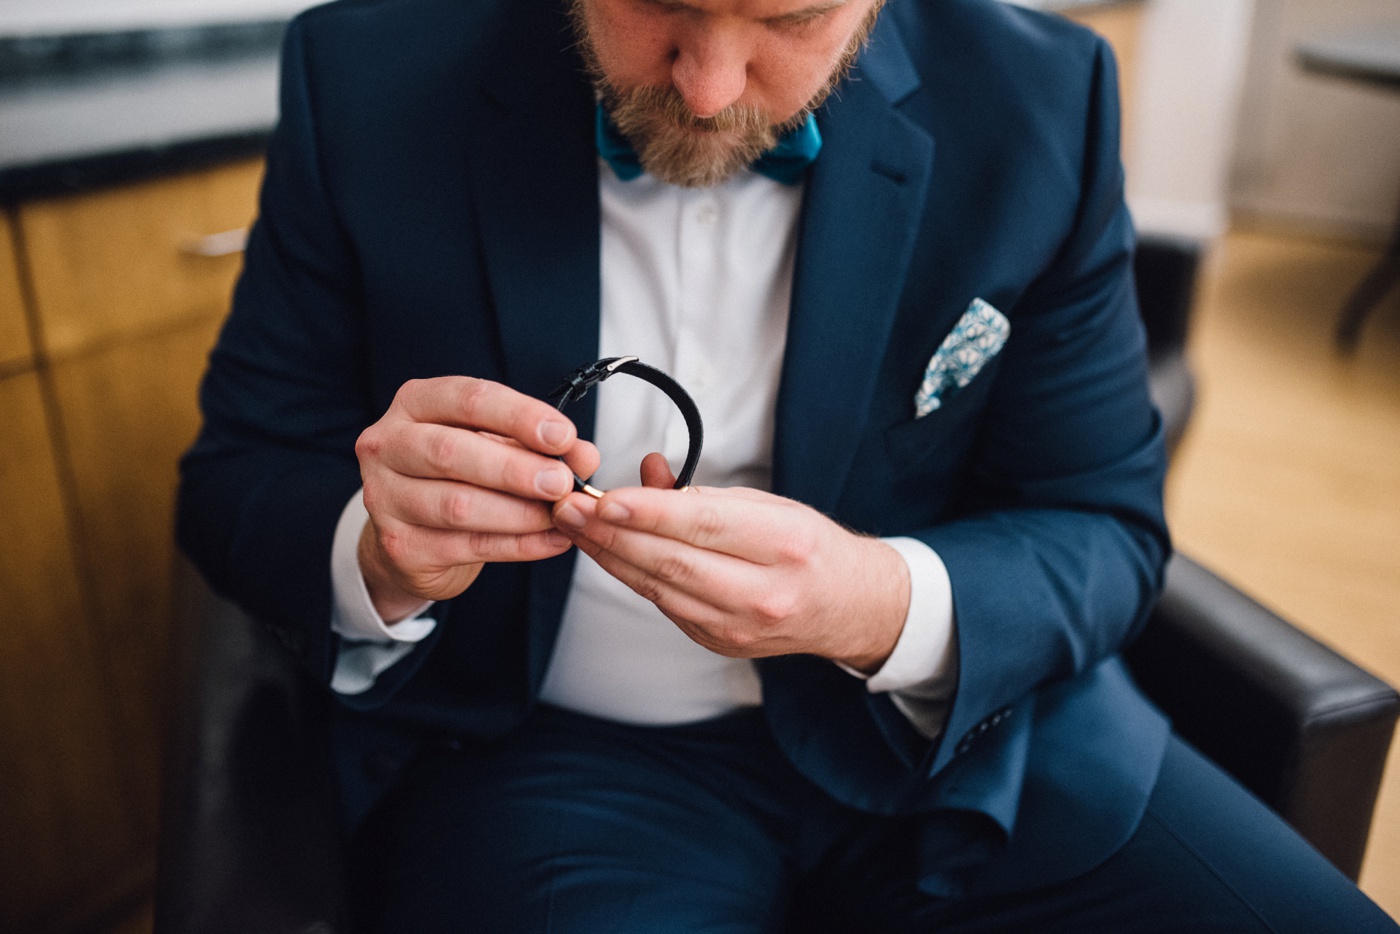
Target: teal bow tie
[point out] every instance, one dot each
(783, 163)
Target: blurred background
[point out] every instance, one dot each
(1265, 131)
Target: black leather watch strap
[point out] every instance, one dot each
(578, 383)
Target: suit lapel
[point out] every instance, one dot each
(534, 179)
(534, 183)
(860, 219)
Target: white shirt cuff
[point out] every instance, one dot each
(353, 615)
(921, 673)
(373, 645)
(359, 665)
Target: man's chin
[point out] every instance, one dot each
(690, 175)
(694, 170)
(699, 158)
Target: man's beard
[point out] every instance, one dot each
(679, 148)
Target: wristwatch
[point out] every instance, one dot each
(577, 384)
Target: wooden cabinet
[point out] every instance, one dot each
(128, 412)
(15, 350)
(64, 818)
(109, 304)
(129, 261)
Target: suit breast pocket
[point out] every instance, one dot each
(946, 432)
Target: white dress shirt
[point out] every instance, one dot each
(696, 282)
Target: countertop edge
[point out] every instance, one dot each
(71, 176)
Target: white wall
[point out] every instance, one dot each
(1189, 75)
(1317, 153)
(49, 17)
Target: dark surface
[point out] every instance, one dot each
(82, 111)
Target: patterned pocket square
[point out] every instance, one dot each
(974, 340)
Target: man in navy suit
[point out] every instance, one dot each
(864, 675)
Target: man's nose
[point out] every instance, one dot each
(710, 71)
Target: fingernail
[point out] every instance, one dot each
(568, 514)
(614, 512)
(557, 539)
(553, 482)
(554, 434)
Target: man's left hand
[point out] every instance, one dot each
(745, 573)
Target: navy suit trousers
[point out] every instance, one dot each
(574, 825)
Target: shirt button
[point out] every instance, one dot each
(707, 214)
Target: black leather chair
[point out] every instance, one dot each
(249, 840)
(1166, 270)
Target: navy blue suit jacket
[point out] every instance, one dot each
(430, 207)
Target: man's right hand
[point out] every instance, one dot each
(459, 472)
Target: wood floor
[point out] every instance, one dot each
(1288, 482)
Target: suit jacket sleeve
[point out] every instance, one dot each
(1058, 550)
(284, 398)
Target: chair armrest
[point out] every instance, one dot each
(1173, 388)
(249, 839)
(1295, 722)
(1165, 270)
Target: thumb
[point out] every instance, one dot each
(656, 472)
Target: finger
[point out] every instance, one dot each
(754, 526)
(583, 458)
(691, 610)
(680, 578)
(718, 629)
(443, 504)
(655, 565)
(467, 402)
(656, 472)
(418, 549)
(440, 452)
(740, 492)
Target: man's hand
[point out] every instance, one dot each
(744, 573)
(457, 473)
